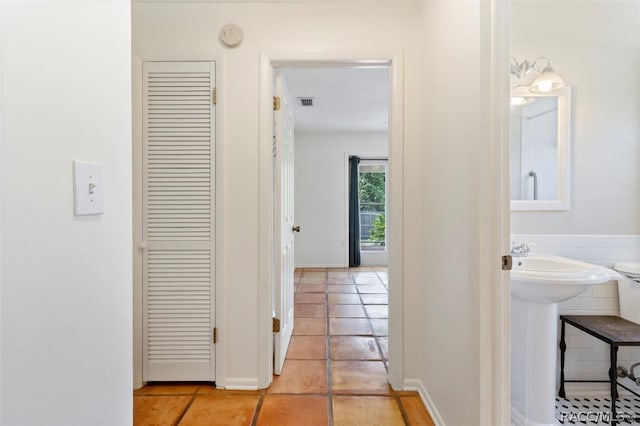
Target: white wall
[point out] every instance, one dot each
(66, 281)
(596, 48)
(321, 191)
(447, 189)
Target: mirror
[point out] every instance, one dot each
(540, 135)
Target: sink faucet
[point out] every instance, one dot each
(519, 250)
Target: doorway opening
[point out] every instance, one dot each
(341, 123)
(322, 116)
(313, 196)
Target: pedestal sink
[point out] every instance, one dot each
(538, 284)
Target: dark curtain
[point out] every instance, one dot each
(354, 212)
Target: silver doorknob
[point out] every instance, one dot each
(296, 229)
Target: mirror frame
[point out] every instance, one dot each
(564, 158)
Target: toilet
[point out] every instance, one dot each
(629, 290)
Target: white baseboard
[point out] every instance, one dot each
(323, 265)
(240, 384)
(417, 385)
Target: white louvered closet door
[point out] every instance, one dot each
(178, 209)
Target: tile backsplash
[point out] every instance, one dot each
(603, 250)
(586, 357)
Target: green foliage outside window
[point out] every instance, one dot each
(372, 191)
(372, 201)
(378, 230)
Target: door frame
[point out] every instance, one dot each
(393, 59)
(495, 304)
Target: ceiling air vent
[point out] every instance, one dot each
(306, 102)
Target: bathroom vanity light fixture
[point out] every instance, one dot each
(536, 76)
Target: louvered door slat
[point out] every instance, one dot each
(178, 220)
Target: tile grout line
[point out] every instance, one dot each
(329, 394)
(256, 413)
(263, 392)
(382, 281)
(186, 408)
(394, 395)
(373, 331)
(403, 412)
(329, 360)
(328, 354)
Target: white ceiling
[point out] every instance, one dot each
(344, 99)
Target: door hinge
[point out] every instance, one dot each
(215, 335)
(276, 325)
(214, 96)
(507, 262)
(276, 103)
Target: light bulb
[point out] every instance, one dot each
(544, 86)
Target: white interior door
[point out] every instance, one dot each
(178, 221)
(283, 184)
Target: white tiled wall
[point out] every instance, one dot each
(586, 357)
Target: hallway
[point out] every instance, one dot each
(335, 372)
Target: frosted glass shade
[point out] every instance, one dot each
(547, 82)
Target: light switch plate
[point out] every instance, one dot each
(88, 188)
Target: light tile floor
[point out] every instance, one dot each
(335, 372)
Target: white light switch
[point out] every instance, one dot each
(88, 190)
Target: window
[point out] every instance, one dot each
(373, 204)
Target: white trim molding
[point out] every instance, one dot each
(238, 383)
(495, 299)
